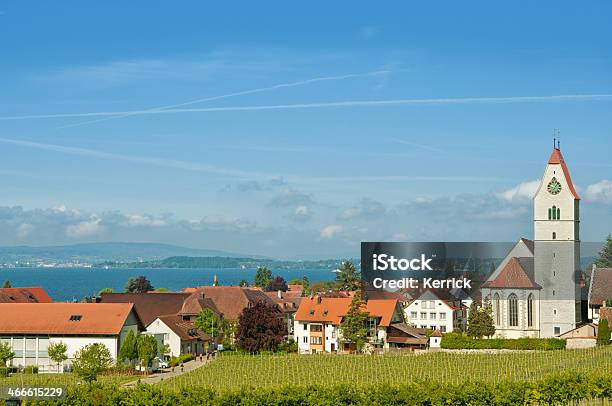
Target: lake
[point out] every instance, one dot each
(67, 284)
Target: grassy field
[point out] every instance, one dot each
(235, 371)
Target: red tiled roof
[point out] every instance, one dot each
(557, 158)
(24, 295)
(231, 300)
(331, 309)
(55, 318)
(186, 330)
(512, 276)
(149, 306)
(601, 286)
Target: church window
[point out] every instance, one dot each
(513, 310)
(496, 308)
(558, 213)
(554, 236)
(554, 212)
(550, 214)
(530, 310)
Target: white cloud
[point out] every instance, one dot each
(331, 230)
(136, 220)
(520, 193)
(301, 214)
(85, 228)
(599, 192)
(24, 230)
(366, 208)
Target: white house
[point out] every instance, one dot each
(31, 327)
(318, 319)
(181, 335)
(429, 311)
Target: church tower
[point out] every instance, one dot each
(557, 248)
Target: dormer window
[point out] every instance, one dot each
(76, 317)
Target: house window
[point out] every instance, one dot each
(432, 327)
(316, 340)
(530, 310)
(513, 310)
(305, 339)
(432, 316)
(413, 315)
(305, 326)
(496, 308)
(432, 304)
(423, 326)
(423, 315)
(317, 328)
(443, 329)
(333, 333)
(557, 330)
(423, 305)
(442, 316)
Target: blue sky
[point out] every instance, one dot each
(325, 124)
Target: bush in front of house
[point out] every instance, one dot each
(181, 359)
(4, 372)
(459, 341)
(32, 369)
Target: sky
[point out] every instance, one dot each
(298, 130)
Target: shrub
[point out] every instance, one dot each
(457, 341)
(32, 369)
(4, 372)
(181, 359)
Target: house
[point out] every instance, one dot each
(288, 302)
(583, 336)
(600, 290)
(231, 300)
(318, 319)
(149, 306)
(31, 327)
(435, 340)
(182, 336)
(430, 311)
(24, 295)
(404, 337)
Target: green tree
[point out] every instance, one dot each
(603, 333)
(262, 277)
(244, 283)
(347, 276)
(6, 284)
(138, 285)
(58, 353)
(208, 322)
(480, 320)
(106, 290)
(129, 348)
(90, 361)
(6, 354)
(353, 325)
(147, 349)
(605, 256)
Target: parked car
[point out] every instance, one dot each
(161, 363)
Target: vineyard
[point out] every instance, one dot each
(235, 371)
(65, 379)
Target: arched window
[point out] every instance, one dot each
(496, 308)
(513, 310)
(558, 214)
(554, 212)
(530, 304)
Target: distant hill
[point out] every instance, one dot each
(109, 251)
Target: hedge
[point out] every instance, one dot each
(181, 359)
(456, 341)
(559, 389)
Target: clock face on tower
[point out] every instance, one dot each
(554, 187)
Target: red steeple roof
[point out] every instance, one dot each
(557, 158)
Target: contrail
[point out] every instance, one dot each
(199, 167)
(354, 103)
(241, 93)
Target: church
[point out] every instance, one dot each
(535, 291)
